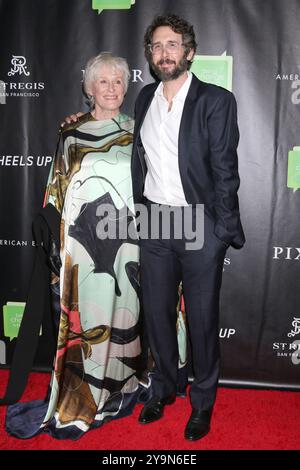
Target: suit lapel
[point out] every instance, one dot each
(141, 112)
(186, 126)
(143, 109)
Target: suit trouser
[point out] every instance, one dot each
(164, 263)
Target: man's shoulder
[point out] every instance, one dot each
(210, 88)
(211, 91)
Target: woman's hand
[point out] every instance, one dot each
(71, 118)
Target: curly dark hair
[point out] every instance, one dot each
(178, 25)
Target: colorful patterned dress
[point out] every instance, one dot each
(98, 350)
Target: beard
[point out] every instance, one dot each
(166, 76)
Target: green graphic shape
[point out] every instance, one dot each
(101, 5)
(214, 69)
(293, 174)
(181, 338)
(12, 317)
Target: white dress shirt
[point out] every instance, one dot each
(159, 134)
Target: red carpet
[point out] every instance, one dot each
(242, 419)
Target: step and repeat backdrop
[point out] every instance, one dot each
(251, 47)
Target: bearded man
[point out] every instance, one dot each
(184, 155)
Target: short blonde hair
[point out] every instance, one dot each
(95, 63)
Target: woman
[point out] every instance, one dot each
(94, 378)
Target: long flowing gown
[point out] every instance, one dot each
(98, 349)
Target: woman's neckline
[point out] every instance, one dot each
(115, 118)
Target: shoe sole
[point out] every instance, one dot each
(200, 436)
(151, 421)
(170, 401)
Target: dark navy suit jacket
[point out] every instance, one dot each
(207, 152)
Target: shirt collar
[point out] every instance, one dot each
(181, 93)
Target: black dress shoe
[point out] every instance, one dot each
(154, 409)
(198, 425)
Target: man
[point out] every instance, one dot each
(184, 154)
